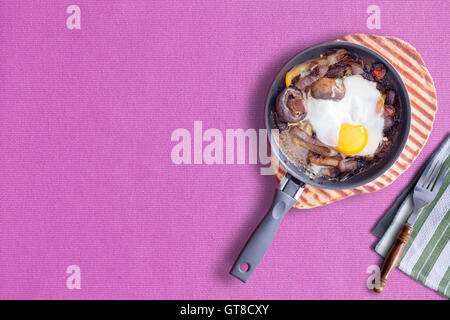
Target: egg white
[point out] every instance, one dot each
(358, 107)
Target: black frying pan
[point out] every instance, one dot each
(292, 185)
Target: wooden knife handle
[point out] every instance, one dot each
(391, 260)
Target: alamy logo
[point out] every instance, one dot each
(74, 20)
(74, 280)
(374, 20)
(212, 146)
(374, 279)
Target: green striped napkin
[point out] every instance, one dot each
(426, 257)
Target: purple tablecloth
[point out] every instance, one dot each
(86, 176)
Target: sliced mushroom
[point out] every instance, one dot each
(296, 105)
(367, 65)
(328, 172)
(368, 76)
(389, 111)
(337, 56)
(312, 144)
(319, 68)
(388, 115)
(323, 161)
(337, 71)
(343, 68)
(328, 88)
(356, 68)
(383, 148)
(304, 136)
(306, 127)
(278, 123)
(348, 164)
(381, 88)
(390, 97)
(388, 122)
(290, 106)
(379, 71)
(317, 72)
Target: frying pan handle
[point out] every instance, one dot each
(260, 241)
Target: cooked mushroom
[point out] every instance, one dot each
(328, 88)
(290, 106)
(356, 68)
(390, 97)
(348, 164)
(388, 122)
(383, 148)
(388, 115)
(304, 136)
(337, 71)
(379, 71)
(368, 76)
(389, 111)
(323, 161)
(317, 72)
(381, 88)
(278, 123)
(337, 56)
(312, 144)
(344, 67)
(328, 172)
(306, 126)
(367, 65)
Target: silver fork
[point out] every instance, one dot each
(427, 187)
(425, 191)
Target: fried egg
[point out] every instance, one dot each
(353, 125)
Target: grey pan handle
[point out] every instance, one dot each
(262, 237)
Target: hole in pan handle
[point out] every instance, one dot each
(253, 252)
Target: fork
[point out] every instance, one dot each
(425, 191)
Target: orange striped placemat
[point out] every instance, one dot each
(422, 93)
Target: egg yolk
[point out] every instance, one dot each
(352, 139)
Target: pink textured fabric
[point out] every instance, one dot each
(86, 176)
